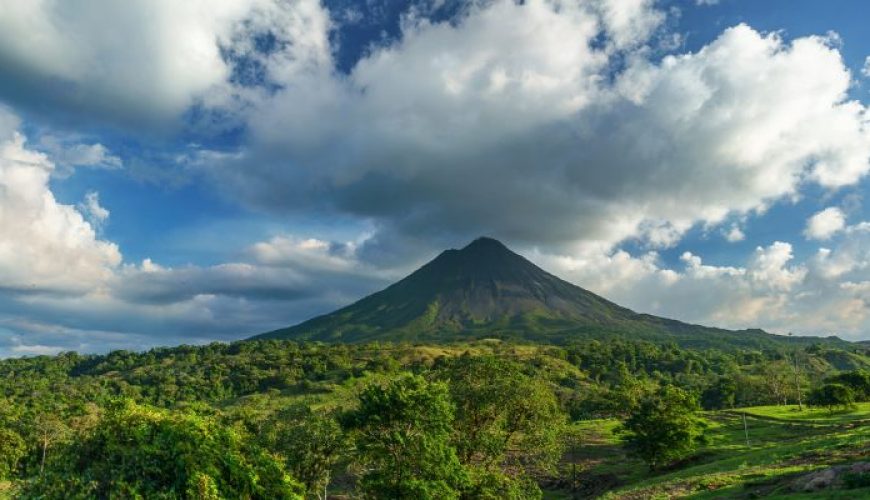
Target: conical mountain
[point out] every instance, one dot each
(487, 291)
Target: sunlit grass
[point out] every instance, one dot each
(728, 467)
(809, 414)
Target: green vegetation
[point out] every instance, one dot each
(832, 396)
(779, 456)
(403, 440)
(485, 419)
(664, 427)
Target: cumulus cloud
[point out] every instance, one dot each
(580, 123)
(125, 62)
(866, 69)
(46, 246)
(823, 225)
(444, 131)
(735, 234)
(769, 290)
(54, 266)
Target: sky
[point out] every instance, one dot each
(188, 172)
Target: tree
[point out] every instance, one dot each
(831, 396)
(48, 428)
(402, 433)
(777, 379)
(12, 450)
(664, 427)
(627, 389)
(143, 452)
(311, 442)
(720, 395)
(504, 418)
(858, 381)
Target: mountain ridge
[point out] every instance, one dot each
(485, 290)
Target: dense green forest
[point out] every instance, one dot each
(486, 419)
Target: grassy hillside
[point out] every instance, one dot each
(243, 388)
(781, 453)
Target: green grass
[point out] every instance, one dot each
(778, 452)
(861, 411)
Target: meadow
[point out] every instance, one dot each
(784, 444)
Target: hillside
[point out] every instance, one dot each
(785, 457)
(487, 291)
(94, 408)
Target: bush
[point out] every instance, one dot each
(143, 452)
(832, 396)
(664, 427)
(858, 381)
(403, 442)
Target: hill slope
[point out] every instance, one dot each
(486, 290)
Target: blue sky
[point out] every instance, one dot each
(226, 168)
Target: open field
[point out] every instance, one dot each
(808, 415)
(778, 453)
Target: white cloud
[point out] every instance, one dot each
(706, 2)
(825, 224)
(67, 154)
(310, 253)
(444, 130)
(9, 123)
(93, 211)
(630, 22)
(54, 267)
(866, 69)
(769, 267)
(735, 234)
(769, 291)
(45, 246)
(131, 62)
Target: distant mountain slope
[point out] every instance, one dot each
(486, 290)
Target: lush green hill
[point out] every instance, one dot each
(787, 448)
(66, 408)
(487, 291)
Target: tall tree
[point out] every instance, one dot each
(311, 442)
(403, 432)
(664, 427)
(500, 410)
(143, 452)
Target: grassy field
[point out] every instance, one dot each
(861, 411)
(784, 444)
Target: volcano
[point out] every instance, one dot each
(485, 290)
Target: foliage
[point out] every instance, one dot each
(279, 398)
(488, 484)
(12, 450)
(142, 452)
(402, 433)
(858, 381)
(664, 427)
(832, 396)
(312, 442)
(720, 395)
(499, 410)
